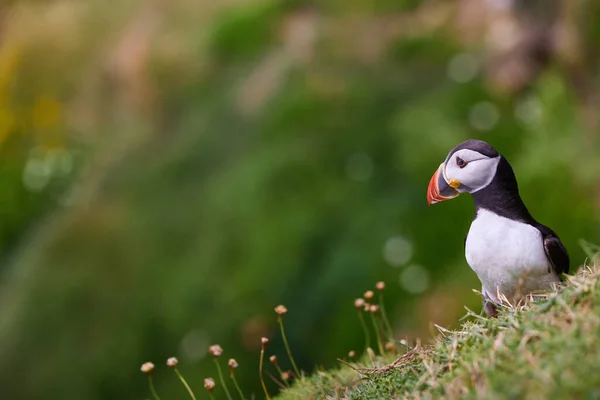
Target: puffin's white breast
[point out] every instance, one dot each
(507, 256)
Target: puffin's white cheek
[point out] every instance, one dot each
(479, 178)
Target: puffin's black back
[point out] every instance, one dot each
(502, 197)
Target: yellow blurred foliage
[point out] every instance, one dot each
(46, 112)
(10, 56)
(39, 119)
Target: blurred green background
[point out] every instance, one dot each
(172, 170)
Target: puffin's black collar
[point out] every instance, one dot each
(502, 197)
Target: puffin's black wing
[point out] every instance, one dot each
(556, 252)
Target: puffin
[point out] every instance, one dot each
(511, 253)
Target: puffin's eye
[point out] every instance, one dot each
(460, 162)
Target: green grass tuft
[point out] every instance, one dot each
(545, 349)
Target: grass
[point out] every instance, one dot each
(544, 349)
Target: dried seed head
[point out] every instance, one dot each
(374, 308)
(380, 286)
(367, 306)
(172, 362)
(281, 310)
(359, 303)
(232, 363)
(369, 294)
(215, 350)
(390, 347)
(371, 353)
(264, 340)
(209, 384)
(147, 367)
(285, 375)
(351, 354)
(273, 359)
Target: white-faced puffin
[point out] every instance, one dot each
(511, 253)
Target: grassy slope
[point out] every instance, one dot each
(547, 349)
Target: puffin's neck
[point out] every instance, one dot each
(502, 197)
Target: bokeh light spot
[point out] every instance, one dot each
(37, 172)
(194, 345)
(528, 110)
(414, 279)
(463, 67)
(397, 251)
(483, 116)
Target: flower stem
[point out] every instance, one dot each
(287, 347)
(365, 329)
(280, 372)
(376, 326)
(260, 370)
(237, 387)
(275, 380)
(152, 388)
(384, 317)
(182, 379)
(222, 380)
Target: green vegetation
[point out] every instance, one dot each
(170, 171)
(543, 349)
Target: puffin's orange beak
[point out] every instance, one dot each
(440, 190)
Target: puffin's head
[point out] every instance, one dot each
(469, 167)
